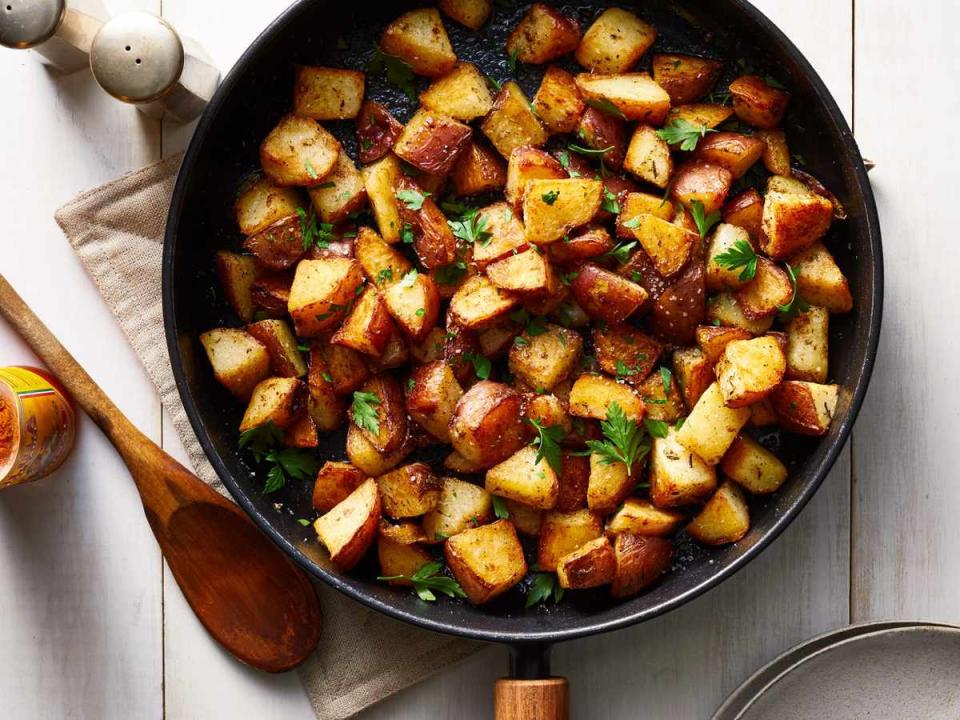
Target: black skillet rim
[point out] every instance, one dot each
(578, 629)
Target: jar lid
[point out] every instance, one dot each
(136, 57)
(25, 23)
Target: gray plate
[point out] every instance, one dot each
(886, 670)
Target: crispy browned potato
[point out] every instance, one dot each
(615, 42)
(529, 163)
(769, 290)
(400, 559)
(733, 151)
(563, 532)
(573, 482)
(431, 141)
(719, 275)
(703, 182)
(433, 239)
(713, 339)
(276, 336)
(382, 264)
(365, 456)
(341, 193)
(753, 466)
(552, 208)
(274, 400)
(543, 34)
(776, 153)
(380, 180)
(391, 414)
(707, 114)
(414, 303)
(432, 398)
(277, 246)
(625, 352)
(325, 404)
(262, 203)
(641, 517)
(237, 274)
(609, 485)
(804, 407)
(463, 94)
(486, 427)
(462, 505)
(239, 360)
(694, 372)
(406, 532)
(794, 217)
(648, 157)
(678, 310)
(677, 475)
(341, 367)
(548, 410)
(419, 38)
(558, 103)
(592, 395)
(478, 303)
(723, 309)
(600, 131)
(592, 242)
(662, 403)
(523, 478)
(524, 518)
(668, 245)
(409, 491)
(724, 519)
(302, 432)
(478, 170)
(591, 565)
(299, 151)
(526, 273)
(685, 78)
(807, 345)
(546, 359)
(506, 234)
(635, 204)
(324, 93)
(640, 561)
(746, 211)
(469, 13)
(377, 131)
(513, 122)
(335, 482)
(820, 281)
(606, 296)
(348, 530)
(486, 561)
(368, 327)
(712, 426)
(635, 95)
(757, 103)
(749, 370)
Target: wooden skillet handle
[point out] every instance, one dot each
(544, 699)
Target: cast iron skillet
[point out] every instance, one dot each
(224, 150)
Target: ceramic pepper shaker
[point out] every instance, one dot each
(60, 32)
(139, 58)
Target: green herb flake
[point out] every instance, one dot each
(621, 251)
(481, 365)
(385, 275)
(409, 279)
(684, 133)
(797, 304)
(471, 227)
(656, 428)
(740, 256)
(543, 587)
(311, 171)
(406, 233)
(703, 221)
(263, 442)
(364, 411)
(550, 197)
(665, 378)
(546, 442)
(398, 72)
(413, 199)
(606, 107)
(610, 202)
(623, 441)
(427, 579)
(304, 522)
(327, 377)
(500, 508)
(589, 152)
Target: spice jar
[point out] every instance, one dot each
(37, 425)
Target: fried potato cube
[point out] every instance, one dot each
(431, 141)
(382, 264)
(749, 370)
(432, 398)
(276, 336)
(677, 475)
(548, 410)
(807, 345)
(405, 532)
(302, 432)
(609, 484)
(648, 157)
(368, 327)
(708, 114)
(724, 240)
(262, 203)
(486, 427)
(299, 151)
(694, 373)
(324, 93)
(592, 395)
(573, 483)
(419, 38)
(641, 517)
(525, 273)
(776, 152)
(753, 466)
(712, 426)
(762, 414)
(400, 559)
(469, 13)
(275, 400)
(543, 34)
(342, 192)
(605, 295)
(668, 245)
(391, 413)
(512, 122)
(237, 274)
(563, 532)
(723, 309)
(524, 518)
(592, 242)
(805, 408)
(478, 303)
(745, 211)
(557, 101)
(409, 491)
(367, 458)
(529, 163)
(615, 42)
(462, 505)
(703, 182)
(685, 78)
(327, 409)
(757, 103)
(546, 359)
(486, 561)
(591, 565)
(794, 217)
(679, 308)
(414, 305)
(625, 352)
(662, 403)
(433, 239)
(820, 281)
(522, 478)
(321, 292)
(724, 519)
(462, 94)
(506, 234)
(335, 481)
(379, 180)
(239, 360)
(635, 95)
(478, 170)
(277, 246)
(635, 204)
(342, 368)
(640, 561)
(735, 152)
(713, 339)
(377, 130)
(767, 292)
(348, 530)
(600, 131)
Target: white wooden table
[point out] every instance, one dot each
(91, 623)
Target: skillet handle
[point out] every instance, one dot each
(531, 693)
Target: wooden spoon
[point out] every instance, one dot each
(249, 596)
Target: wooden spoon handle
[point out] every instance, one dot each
(542, 699)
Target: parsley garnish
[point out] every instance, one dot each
(589, 152)
(313, 233)
(543, 586)
(406, 233)
(564, 157)
(385, 275)
(426, 579)
(656, 428)
(311, 171)
(741, 255)
(481, 365)
(683, 132)
(512, 62)
(471, 227)
(546, 444)
(633, 222)
(413, 199)
(534, 323)
(610, 202)
(569, 277)
(398, 72)
(797, 304)
(364, 411)
(606, 107)
(500, 508)
(624, 440)
(704, 222)
(409, 279)
(550, 197)
(450, 274)
(285, 463)
(621, 251)
(665, 377)
(623, 370)
(326, 377)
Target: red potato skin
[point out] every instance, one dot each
(271, 292)
(490, 415)
(574, 479)
(335, 481)
(641, 560)
(391, 413)
(733, 151)
(598, 130)
(351, 553)
(746, 211)
(593, 569)
(635, 349)
(683, 86)
(433, 240)
(641, 270)
(702, 181)
(436, 145)
(595, 241)
(457, 345)
(377, 131)
(793, 406)
(680, 308)
(619, 186)
(478, 169)
(605, 295)
(757, 103)
(277, 246)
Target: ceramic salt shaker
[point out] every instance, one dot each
(59, 32)
(139, 58)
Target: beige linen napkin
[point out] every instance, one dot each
(117, 231)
